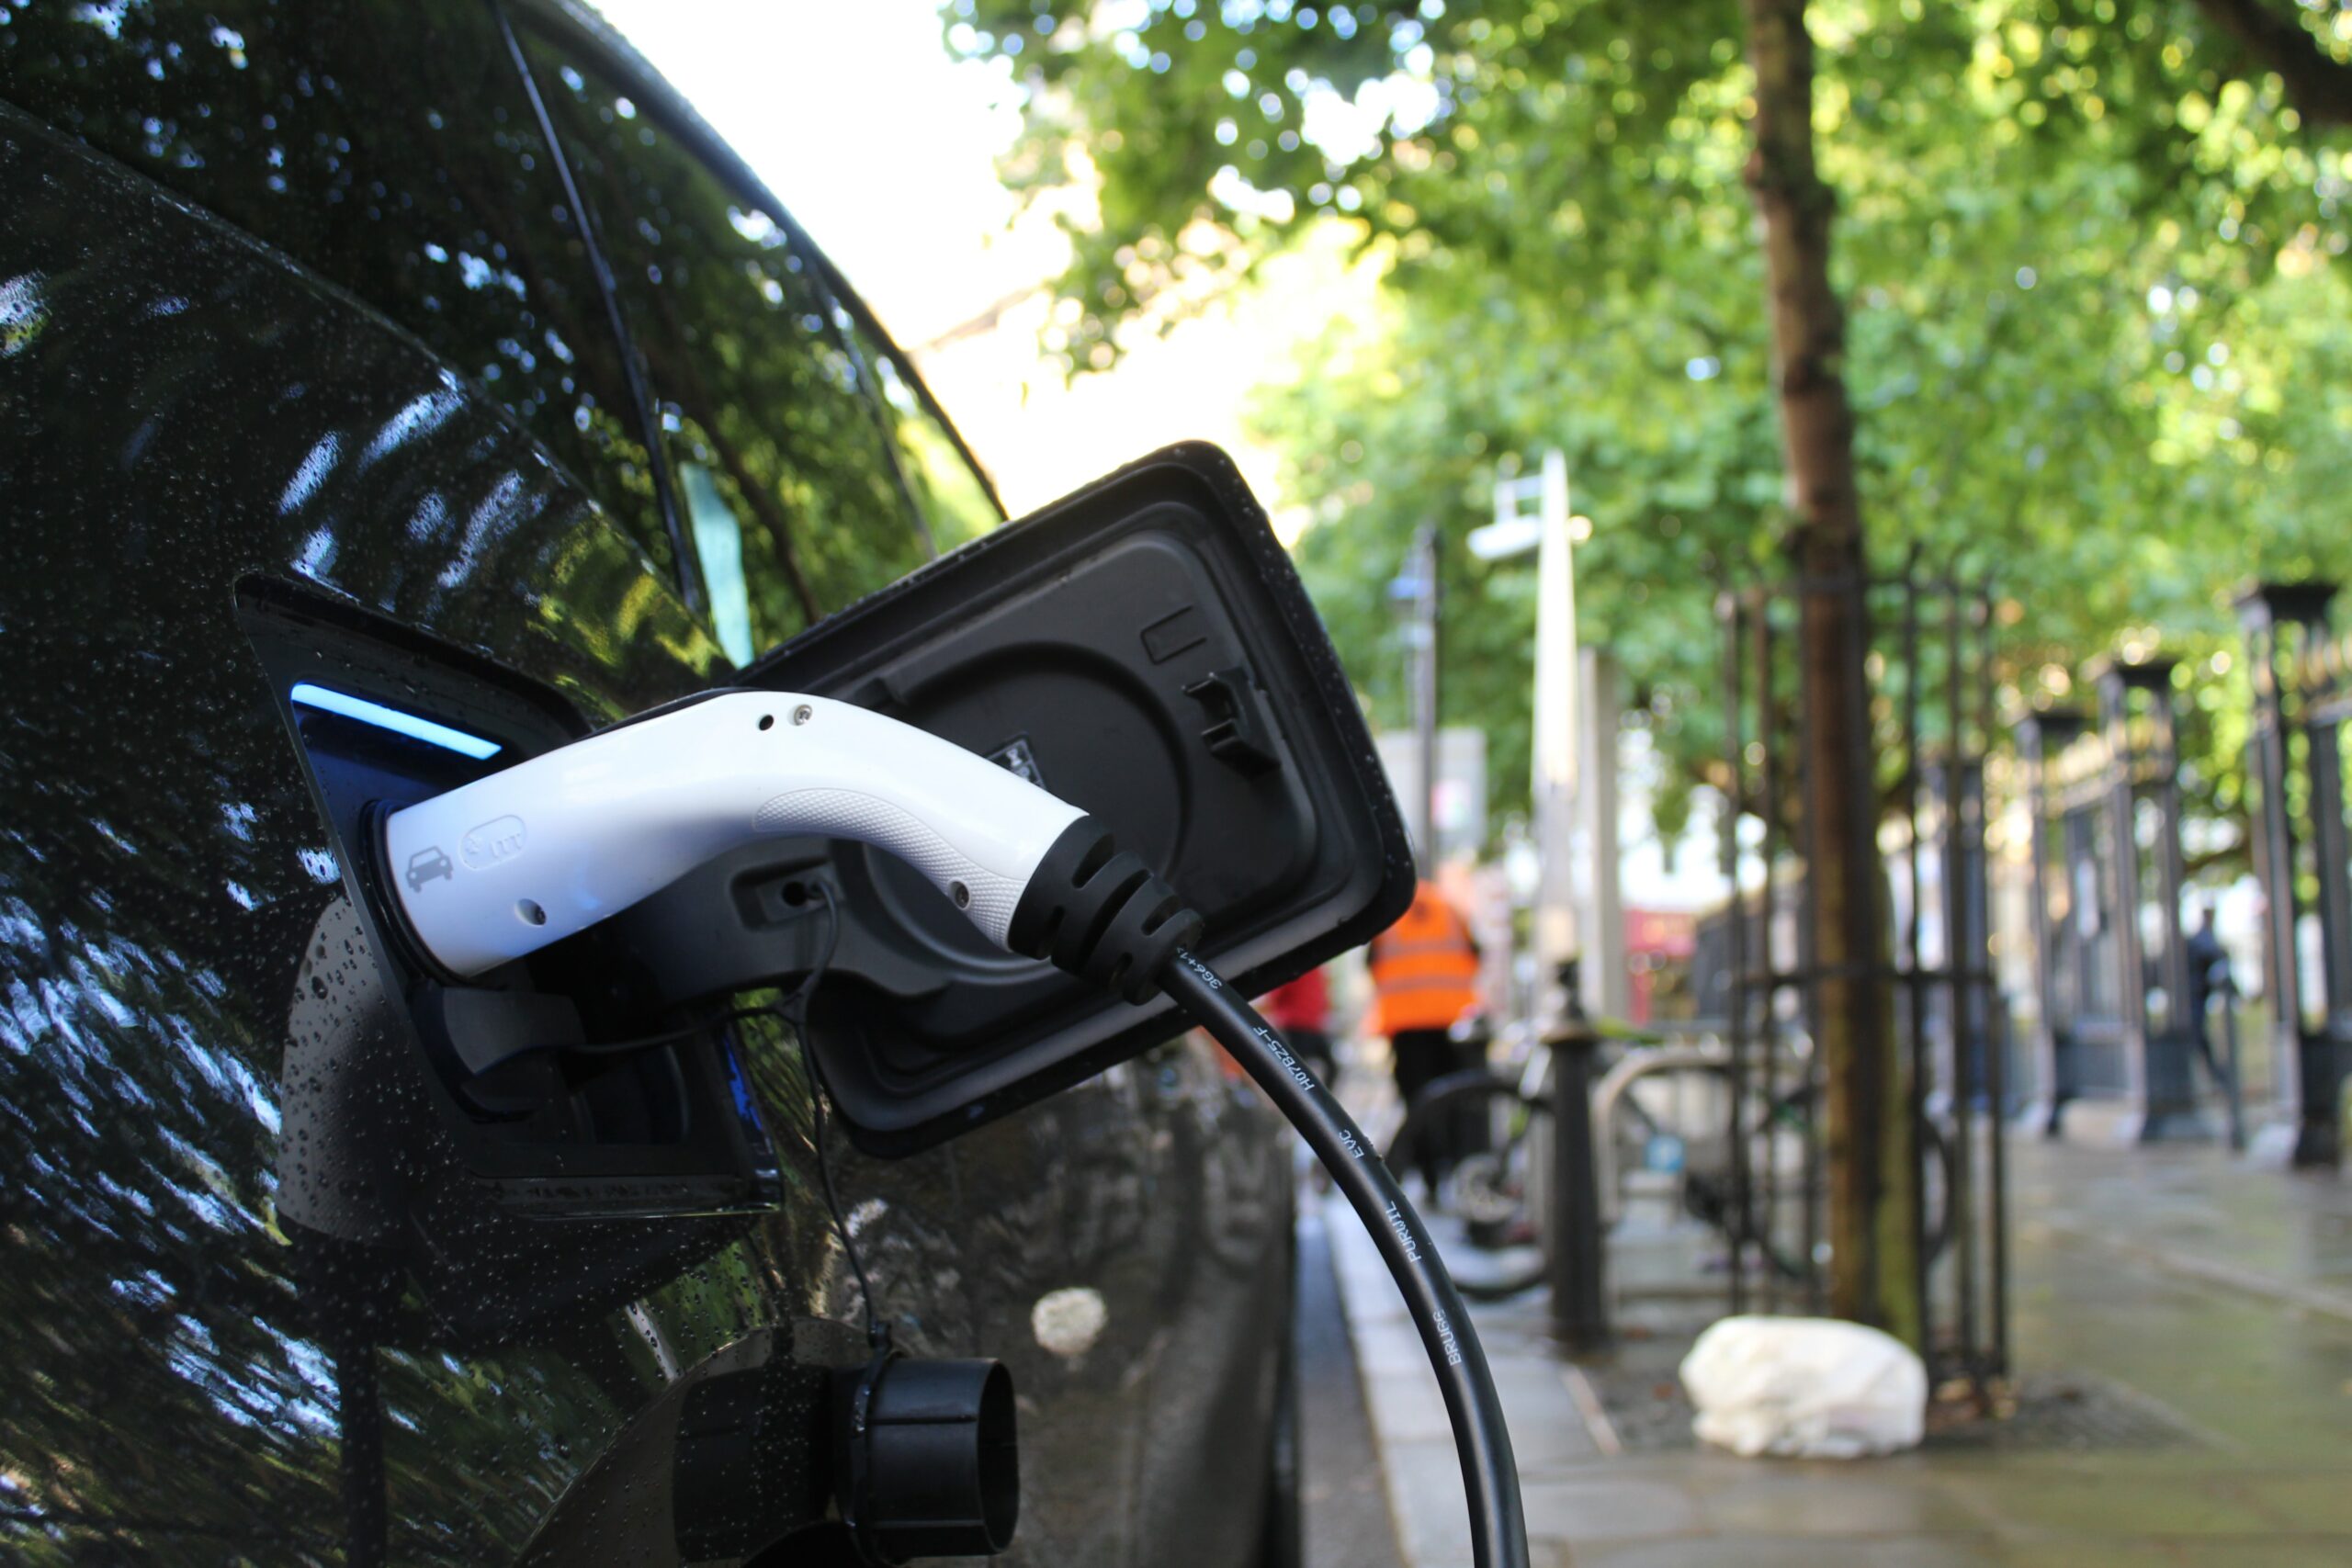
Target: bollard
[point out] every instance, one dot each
(2226, 993)
(1573, 1245)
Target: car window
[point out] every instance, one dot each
(958, 502)
(388, 148)
(784, 425)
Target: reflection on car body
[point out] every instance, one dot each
(303, 379)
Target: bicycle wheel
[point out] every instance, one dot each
(1491, 1190)
(1790, 1118)
(1668, 1124)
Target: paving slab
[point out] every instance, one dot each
(1821, 1499)
(2203, 1288)
(1791, 1552)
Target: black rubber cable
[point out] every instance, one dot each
(794, 1010)
(1490, 1473)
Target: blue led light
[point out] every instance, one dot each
(399, 723)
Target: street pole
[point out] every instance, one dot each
(1607, 986)
(1574, 1245)
(1555, 721)
(1428, 618)
(1551, 533)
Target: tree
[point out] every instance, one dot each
(2086, 256)
(1409, 185)
(1867, 1129)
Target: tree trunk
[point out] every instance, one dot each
(2317, 84)
(1873, 1275)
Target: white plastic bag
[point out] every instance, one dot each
(1808, 1387)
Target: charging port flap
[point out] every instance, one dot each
(1143, 649)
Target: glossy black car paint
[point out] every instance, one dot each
(257, 1304)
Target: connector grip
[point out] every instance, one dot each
(1100, 913)
(497, 869)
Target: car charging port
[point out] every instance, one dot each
(572, 1083)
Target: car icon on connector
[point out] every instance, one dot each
(426, 865)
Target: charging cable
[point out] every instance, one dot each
(1481, 1440)
(498, 868)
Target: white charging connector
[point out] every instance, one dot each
(497, 869)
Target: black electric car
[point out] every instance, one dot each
(388, 386)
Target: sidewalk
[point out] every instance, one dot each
(2216, 1297)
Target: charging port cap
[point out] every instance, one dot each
(930, 1458)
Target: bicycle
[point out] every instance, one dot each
(1492, 1189)
(1498, 1190)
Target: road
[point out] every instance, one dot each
(1348, 1524)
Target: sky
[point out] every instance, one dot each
(885, 148)
(880, 144)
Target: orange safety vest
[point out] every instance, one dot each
(1424, 968)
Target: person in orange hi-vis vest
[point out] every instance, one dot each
(1424, 978)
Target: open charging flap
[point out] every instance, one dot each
(1143, 649)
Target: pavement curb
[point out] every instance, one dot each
(1410, 1432)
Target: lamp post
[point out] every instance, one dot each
(1415, 595)
(1576, 1258)
(1553, 532)
(2296, 689)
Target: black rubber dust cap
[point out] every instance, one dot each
(932, 1455)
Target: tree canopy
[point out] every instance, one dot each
(2092, 256)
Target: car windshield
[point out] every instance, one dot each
(813, 470)
(391, 149)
